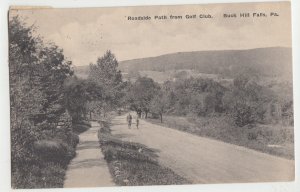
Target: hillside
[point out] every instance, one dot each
(273, 62)
(270, 62)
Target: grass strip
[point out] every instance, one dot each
(134, 164)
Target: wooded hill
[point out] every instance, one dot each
(270, 62)
(273, 62)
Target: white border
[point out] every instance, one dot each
(4, 96)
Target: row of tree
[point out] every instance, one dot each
(45, 101)
(49, 105)
(246, 100)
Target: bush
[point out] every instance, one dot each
(79, 128)
(84, 122)
(243, 114)
(81, 125)
(115, 149)
(42, 143)
(50, 149)
(53, 175)
(47, 158)
(74, 140)
(39, 175)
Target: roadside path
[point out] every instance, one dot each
(88, 168)
(203, 160)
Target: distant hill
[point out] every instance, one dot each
(271, 62)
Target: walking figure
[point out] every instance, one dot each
(129, 119)
(137, 121)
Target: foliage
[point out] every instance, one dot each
(78, 93)
(140, 94)
(105, 71)
(51, 150)
(248, 101)
(105, 74)
(37, 72)
(81, 126)
(270, 62)
(194, 95)
(159, 105)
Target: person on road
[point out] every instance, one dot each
(137, 121)
(129, 120)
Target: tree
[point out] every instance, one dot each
(159, 105)
(56, 69)
(94, 107)
(105, 71)
(24, 63)
(80, 97)
(248, 101)
(75, 98)
(106, 75)
(141, 94)
(194, 95)
(36, 72)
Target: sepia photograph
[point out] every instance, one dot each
(151, 95)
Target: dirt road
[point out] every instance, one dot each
(88, 168)
(203, 160)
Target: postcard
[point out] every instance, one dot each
(151, 95)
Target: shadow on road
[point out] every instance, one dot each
(88, 163)
(88, 145)
(123, 135)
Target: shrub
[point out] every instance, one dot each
(50, 149)
(252, 135)
(115, 149)
(243, 114)
(81, 125)
(79, 128)
(41, 144)
(53, 175)
(39, 175)
(74, 140)
(83, 122)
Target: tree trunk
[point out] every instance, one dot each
(146, 115)
(90, 115)
(161, 118)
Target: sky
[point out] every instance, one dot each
(85, 34)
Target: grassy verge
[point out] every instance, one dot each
(46, 166)
(133, 164)
(272, 139)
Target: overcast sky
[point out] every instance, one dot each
(86, 34)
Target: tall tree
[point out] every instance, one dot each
(141, 94)
(79, 94)
(159, 105)
(36, 72)
(105, 71)
(106, 74)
